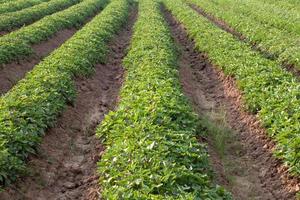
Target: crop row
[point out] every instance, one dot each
(264, 14)
(281, 8)
(152, 151)
(277, 16)
(291, 5)
(19, 18)
(268, 90)
(17, 44)
(280, 43)
(34, 103)
(5, 1)
(18, 5)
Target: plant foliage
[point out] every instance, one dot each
(268, 90)
(26, 16)
(33, 105)
(17, 44)
(152, 151)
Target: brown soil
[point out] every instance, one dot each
(65, 166)
(3, 33)
(226, 27)
(247, 167)
(11, 73)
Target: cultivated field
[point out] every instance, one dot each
(150, 99)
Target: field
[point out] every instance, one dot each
(150, 99)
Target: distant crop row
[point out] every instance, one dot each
(25, 16)
(292, 5)
(290, 16)
(34, 103)
(284, 20)
(18, 5)
(5, 1)
(152, 151)
(268, 90)
(280, 43)
(16, 45)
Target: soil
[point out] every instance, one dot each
(11, 73)
(66, 163)
(247, 167)
(226, 27)
(3, 33)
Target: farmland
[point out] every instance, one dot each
(143, 99)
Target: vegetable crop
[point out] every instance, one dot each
(282, 43)
(18, 5)
(34, 103)
(268, 90)
(152, 151)
(17, 44)
(26, 16)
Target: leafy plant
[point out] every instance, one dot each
(18, 5)
(17, 44)
(268, 90)
(272, 33)
(33, 105)
(152, 151)
(19, 18)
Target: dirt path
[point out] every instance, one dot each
(226, 27)
(65, 167)
(240, 153)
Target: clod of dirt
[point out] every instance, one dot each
(65, 166)
(246, 167)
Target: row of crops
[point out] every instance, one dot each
(12, 20)
(268, 89)
(151, 146)
(35, 102)
(17, 44)
(278, 34)
(5, 1)
(157, 112)
(18, 5)
(270, 16)
(290, 5)
(152, 149)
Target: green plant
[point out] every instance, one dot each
(17, 44)
(152, 151)
(268, 90)
(273, 34)
(4, 1)
(18, 5)
(26, 16)
(33, 105)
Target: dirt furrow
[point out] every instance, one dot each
(65, 166)
(226, 27)
(240, 151)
